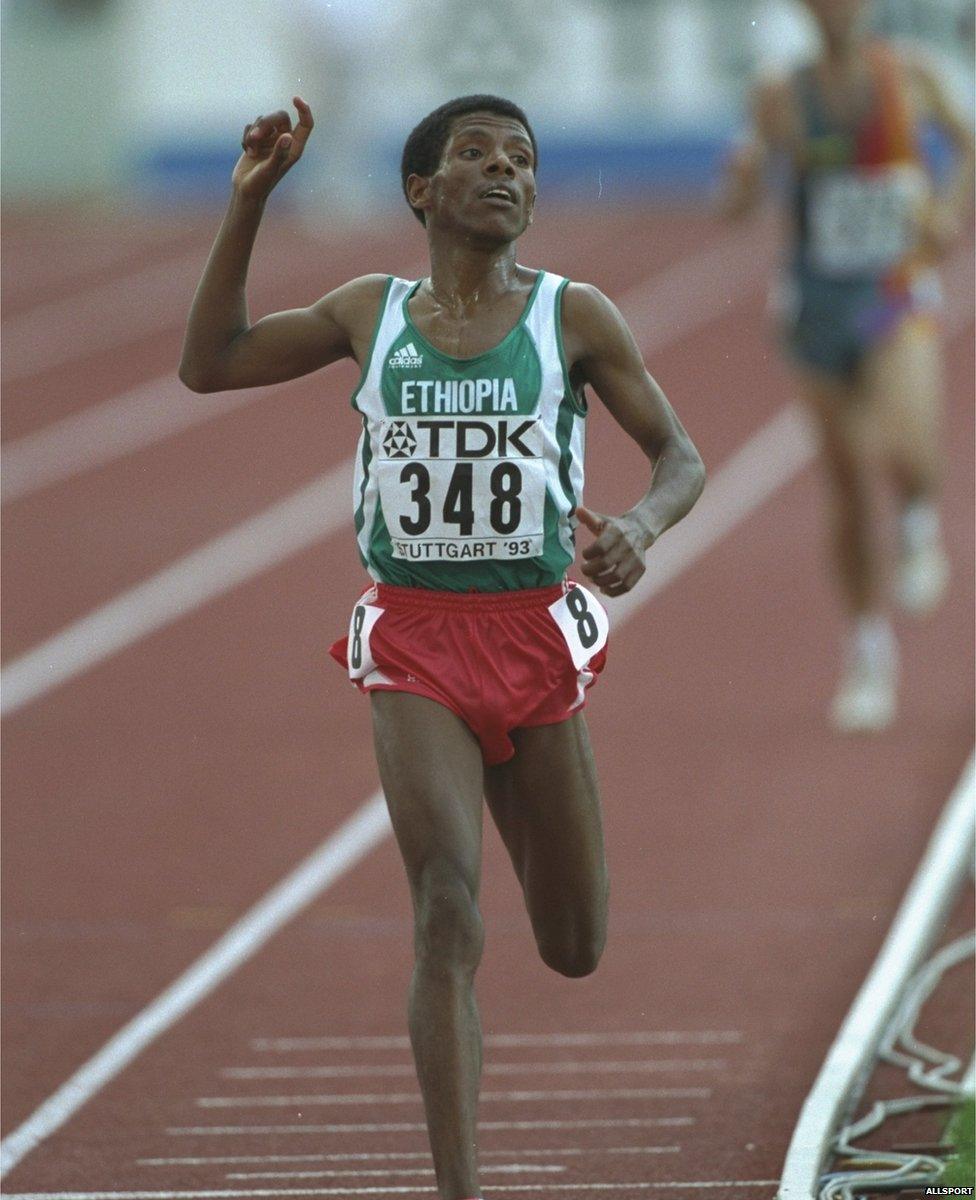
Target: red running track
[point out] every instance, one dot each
(756, 858)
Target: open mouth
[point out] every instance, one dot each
(499, 194)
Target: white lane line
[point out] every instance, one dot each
(405, 1070)
(126, 619)
(968, 1081)
(340, 1098)
(76, 654)
(695, 291)
(396, 1156)
(247, 550)
(508, 1041)
(82, 257)
(920, 918)
(245, 1194)
(118, 624)
(103, 432)
(768, 461)
(419, 1127)
(108, 315)
(338, 854)
(214, 567)
(664, 305)
(108, 430)
(395, 1172)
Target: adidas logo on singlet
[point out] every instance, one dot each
(406, 356)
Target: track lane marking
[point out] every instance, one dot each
(245, 1194)
(368, 826)
(740, 478)
(664, 304)
(404, 1156)
(415, 1127)
(213, 568)
(76, 262)
(406, 1070)
(328, 1100)
(103, 432)
(394, 1172)
(650, 1037)
(371, 824)
(247, 550)
(110, 314)
(112, 428)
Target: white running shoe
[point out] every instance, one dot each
(923, 577)
(867, 698)
(923, 569)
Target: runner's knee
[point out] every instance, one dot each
(574, 952)
(449, 933)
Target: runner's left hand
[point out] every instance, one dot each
(615, 561)
(939, 228)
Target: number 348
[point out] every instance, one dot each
(505, 510)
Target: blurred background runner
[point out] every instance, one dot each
(857, 306)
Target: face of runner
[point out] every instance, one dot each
(839, 19)
(485, 184)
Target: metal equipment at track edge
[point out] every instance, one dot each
(917, 923)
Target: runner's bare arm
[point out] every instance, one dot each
(943, 221)
(601, 351)
(222, 349)
(770, 128)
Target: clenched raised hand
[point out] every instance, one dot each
(271, 148)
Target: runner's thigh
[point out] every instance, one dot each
(431, 769)
(545, 802)
(843, 417)
(903, 375)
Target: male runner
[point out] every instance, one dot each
(857, 303)
(474, 647)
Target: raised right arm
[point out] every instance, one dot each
(222, 350)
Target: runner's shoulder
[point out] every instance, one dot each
(591, 322)
(354, 305)
(584, 302)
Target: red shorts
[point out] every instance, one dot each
(499, 660)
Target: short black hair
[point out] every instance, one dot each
(425, 146)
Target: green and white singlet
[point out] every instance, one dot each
(468, 468)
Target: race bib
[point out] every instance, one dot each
(462, 489)
(583, 622)
(861, 222)
(358, 653)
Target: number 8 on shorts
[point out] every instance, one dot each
(583, 622)
(358, 654)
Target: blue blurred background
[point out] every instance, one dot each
(145, 101)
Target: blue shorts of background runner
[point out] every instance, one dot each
(831, 324)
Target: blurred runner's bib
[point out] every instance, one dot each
(864, 222)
